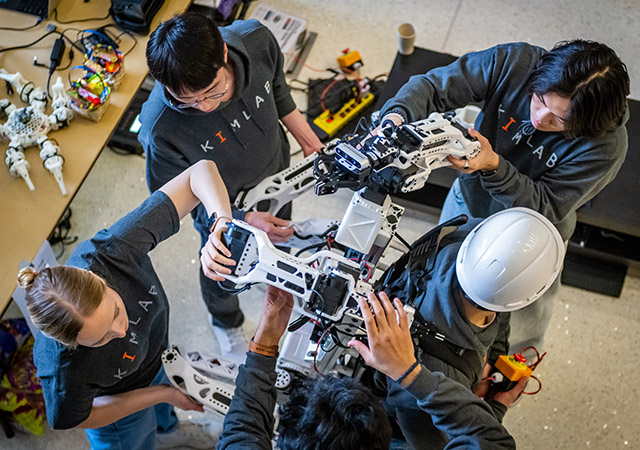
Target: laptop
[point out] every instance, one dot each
(40, 8)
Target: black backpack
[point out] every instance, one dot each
(135, 15)
(409, 275)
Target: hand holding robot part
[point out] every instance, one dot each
(398, 159)
(486, 160)
(390, 347)
(276, 311)
(507, 397)
(215, 257)
(213, 394)
(324, 289)
(278, 230)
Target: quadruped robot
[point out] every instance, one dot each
(29, 126)
(326, 283)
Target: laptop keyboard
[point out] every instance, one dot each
(35, 7)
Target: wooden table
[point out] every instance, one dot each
(27, 218)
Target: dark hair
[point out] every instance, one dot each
(185, 53)
(60, 298)
(592, 77)
(333, 414)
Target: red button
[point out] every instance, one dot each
(519, 358)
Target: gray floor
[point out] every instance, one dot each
(589, 398)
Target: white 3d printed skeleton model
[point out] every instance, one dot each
(29, 126)
(326, 284)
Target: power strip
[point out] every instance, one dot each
(331, 123)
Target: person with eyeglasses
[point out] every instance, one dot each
(221, 95)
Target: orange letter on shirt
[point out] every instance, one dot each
(510, 122)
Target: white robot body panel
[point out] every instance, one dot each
(213, 394)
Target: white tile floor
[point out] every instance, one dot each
(589, 399)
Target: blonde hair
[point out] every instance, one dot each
(59, 298)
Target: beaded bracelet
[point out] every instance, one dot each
(406, 374)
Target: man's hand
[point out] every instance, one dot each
(276, 311)
(482, 387)
(214, 254)
(390, 345)
(508, 397)
(486, 159)
(313, 147)
(302, 132)
(182, 401)
(393, 118)
(278, 230)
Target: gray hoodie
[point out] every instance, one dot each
(466, 420)
(243, 136)
(543, 171)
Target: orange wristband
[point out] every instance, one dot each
(265, 350)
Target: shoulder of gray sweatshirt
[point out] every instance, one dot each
(544, 171)
(456, 411)
(242, 136)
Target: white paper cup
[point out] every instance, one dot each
(406, 38)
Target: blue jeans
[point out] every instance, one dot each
(529, 324)
(137, 431)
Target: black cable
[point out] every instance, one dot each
(23, 29)
(323, 235)
(75, 43)
(135, 42)
(55, 17)
(319, 245)
(60, 234)
(236, 290)
(404, 242)
(71, 56)
(31, 44)
(304, 83)
(310, 247)
(18, 47)
(118, 40)
(49, 82)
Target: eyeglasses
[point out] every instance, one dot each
(215, 96)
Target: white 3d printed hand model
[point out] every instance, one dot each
(29, 126)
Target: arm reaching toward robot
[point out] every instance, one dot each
(398, 159)
(390, 347)
(487, 160)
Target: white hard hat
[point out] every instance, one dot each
(510, 259)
